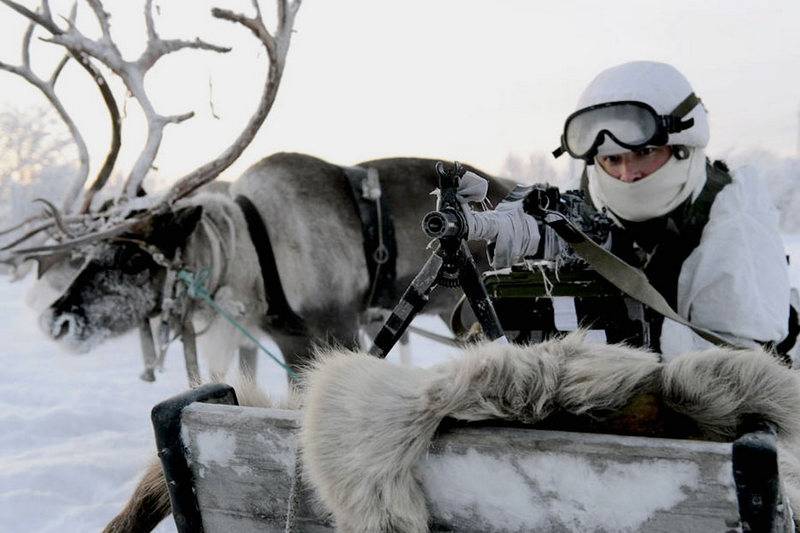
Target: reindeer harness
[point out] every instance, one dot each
(279, 313)
(377, 227)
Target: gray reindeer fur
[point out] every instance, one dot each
(221, 244)
(365, 475)
(316, 238)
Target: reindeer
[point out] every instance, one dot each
(114, 269)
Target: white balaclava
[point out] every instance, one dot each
(656, 195)
(662, 87)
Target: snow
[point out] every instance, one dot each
(523, 494)
(76, 430)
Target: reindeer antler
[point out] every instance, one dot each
(277, 46)
(47, 87)
(119, 218)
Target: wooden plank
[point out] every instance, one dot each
(476, 479)
(504, 479)
(243, 462)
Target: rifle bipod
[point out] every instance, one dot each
(450, 265)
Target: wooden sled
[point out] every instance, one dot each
(232, 468)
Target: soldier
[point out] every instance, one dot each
(707, 239)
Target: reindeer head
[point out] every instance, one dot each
(116, 282)
(114, 286)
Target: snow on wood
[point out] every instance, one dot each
(476, 479)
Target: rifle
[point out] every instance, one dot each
(450, 265)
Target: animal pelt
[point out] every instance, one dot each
(367, 422)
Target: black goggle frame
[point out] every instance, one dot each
(664, 125)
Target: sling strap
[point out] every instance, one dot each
(626, 278)
(671, 238)
(692, 216)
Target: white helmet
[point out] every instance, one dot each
(659, 85)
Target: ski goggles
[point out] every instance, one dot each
(632, 125)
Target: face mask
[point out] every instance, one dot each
(656, 195)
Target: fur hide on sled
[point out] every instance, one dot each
(368, 422)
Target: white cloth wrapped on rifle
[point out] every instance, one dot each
(515, 233)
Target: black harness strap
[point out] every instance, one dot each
(380, 246)
(279, 314)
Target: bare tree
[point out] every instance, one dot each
(30, 142)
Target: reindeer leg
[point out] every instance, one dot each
(148, 350)
(296, 350)
(248, 362)
(190, 353)
(148, 505)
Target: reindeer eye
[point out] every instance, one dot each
(135, 262)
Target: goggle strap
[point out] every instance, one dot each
(558, 152)
(686, 106)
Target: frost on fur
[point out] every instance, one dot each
(368, 423)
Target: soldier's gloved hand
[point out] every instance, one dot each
(517, 234)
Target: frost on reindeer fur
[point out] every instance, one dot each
(365, 476)
(106, 306)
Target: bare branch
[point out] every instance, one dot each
(177, 119)
(132, 74)
(70, 219)
(19, 225)
(152, 35)
(32, 233)
(159, 48)
(11, 68)
(281, 11)
(57, 72)
(74, 243)
(56, 215)
(26, 45)
(254, 24)
(111, 157)
(46, 21)
(211, 99)
(47, 88)
(103, 18)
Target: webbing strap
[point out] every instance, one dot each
(279, 313)
(626, 278)
(686, 105)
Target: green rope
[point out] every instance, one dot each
(197, 289)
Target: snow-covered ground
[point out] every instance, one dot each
(75, 430)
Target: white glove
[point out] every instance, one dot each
(514, 232)
(517, 234)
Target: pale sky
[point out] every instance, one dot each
(453, 79)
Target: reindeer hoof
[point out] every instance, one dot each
(148, 375)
